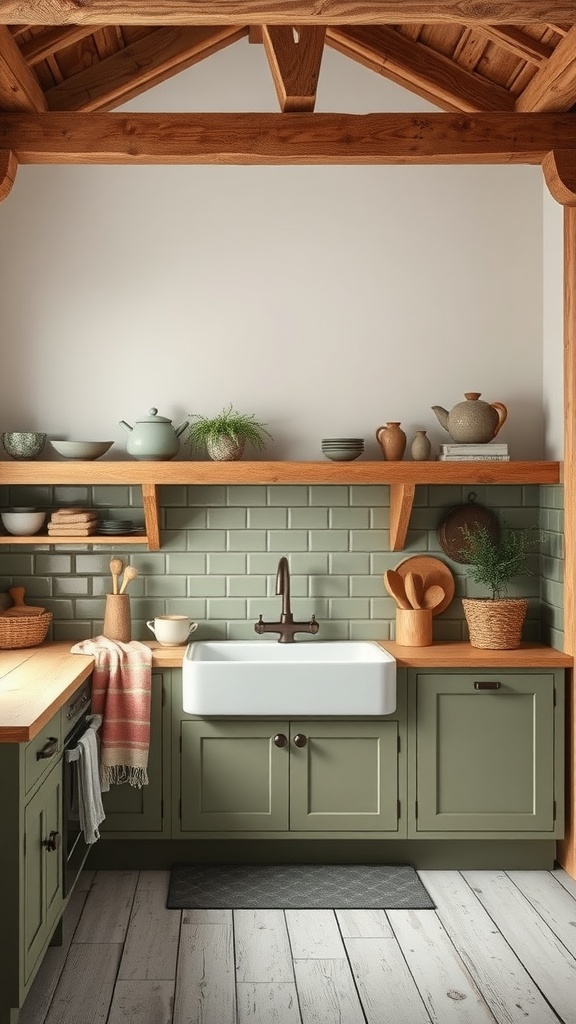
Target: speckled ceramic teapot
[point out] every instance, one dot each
(153, 437)
(472, 421)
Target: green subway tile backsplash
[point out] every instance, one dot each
(220, 548)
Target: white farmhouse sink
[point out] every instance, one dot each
(252, 677)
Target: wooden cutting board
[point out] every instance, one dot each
(434, 572)
(20, 607)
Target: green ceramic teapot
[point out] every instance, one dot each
(153, 437)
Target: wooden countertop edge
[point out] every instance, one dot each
(452, 654)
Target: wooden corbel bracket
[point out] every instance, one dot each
(559, 169)
(401, 501)
(8, 168)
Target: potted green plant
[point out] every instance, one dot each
(224, 436)
(496, 622)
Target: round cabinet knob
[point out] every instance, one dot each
(53, 841)
(300, 740)
(280, 740)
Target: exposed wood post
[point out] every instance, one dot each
(8, 168)
(19, 87)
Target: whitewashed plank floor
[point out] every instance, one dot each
(501, 946)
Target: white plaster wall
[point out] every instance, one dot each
(552, 337)
(326, 300)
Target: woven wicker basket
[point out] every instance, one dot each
(23, 630)
(495, 625)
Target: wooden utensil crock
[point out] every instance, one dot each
(414, 627)
(117, 622)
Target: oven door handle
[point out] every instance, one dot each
(92, 722)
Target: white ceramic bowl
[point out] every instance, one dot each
(22, 522)
(81, 449)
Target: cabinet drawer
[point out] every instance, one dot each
(42, 752)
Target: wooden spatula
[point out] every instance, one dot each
(19, 607)
(414, 588)
(395, 586)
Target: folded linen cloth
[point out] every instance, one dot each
(79, 517)
(90, 809)
(75, 530)
(121, 687)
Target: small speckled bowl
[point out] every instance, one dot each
(23, 444)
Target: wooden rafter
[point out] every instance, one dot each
(145, 63)
(419, 67)
(282, 12)
(71, 138)
(19, 88)
(294, 56)
(554, 85)
(40, 47)
(517, 42)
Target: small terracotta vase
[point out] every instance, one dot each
(392, 441)
(420, 448)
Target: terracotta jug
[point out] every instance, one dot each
(392, 441)
(472, 421)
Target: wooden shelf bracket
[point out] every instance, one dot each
(401, 502)
(151, 515)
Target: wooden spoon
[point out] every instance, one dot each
(395, 586)
(433, 596)
(130, 573)
(116, 567)
(414, 586)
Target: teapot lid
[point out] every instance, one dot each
(153, 417)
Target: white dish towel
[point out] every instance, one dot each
(91, 811)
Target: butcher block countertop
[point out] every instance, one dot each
(36, 681)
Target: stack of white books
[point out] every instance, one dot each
(493, 452)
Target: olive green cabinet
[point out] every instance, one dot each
(486, 753)
(141, 812)
(31, 781)
(311, 776)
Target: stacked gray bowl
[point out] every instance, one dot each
(342, 449)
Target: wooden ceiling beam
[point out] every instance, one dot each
(294, 56)
(554, 86)
(517, 42)
(19, 87)
(39, 47)
(297, 139)
(389, 53)
(137, 67)
(282, 12)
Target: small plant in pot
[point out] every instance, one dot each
(224, 436)
(496, 623)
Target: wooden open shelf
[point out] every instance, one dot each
(401, 477)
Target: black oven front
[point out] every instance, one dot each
(74, 847)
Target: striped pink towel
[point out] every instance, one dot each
(121, 685)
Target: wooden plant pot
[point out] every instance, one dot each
(495, 625)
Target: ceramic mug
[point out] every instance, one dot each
(170, 630)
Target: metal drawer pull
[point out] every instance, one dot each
(77, 705)
(280, 740)
(486, 684)
(300, 740)
(49, 749)
(93, 722)
(53, 841)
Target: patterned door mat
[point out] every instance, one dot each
(296, 887)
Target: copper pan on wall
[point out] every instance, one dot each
(468, 516)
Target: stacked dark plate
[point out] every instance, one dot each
(116, 527)
(342, 449)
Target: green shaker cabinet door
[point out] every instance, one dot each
(43, 900)
(344, 777)
(127, 808)
(485, 752)
(233, 776)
